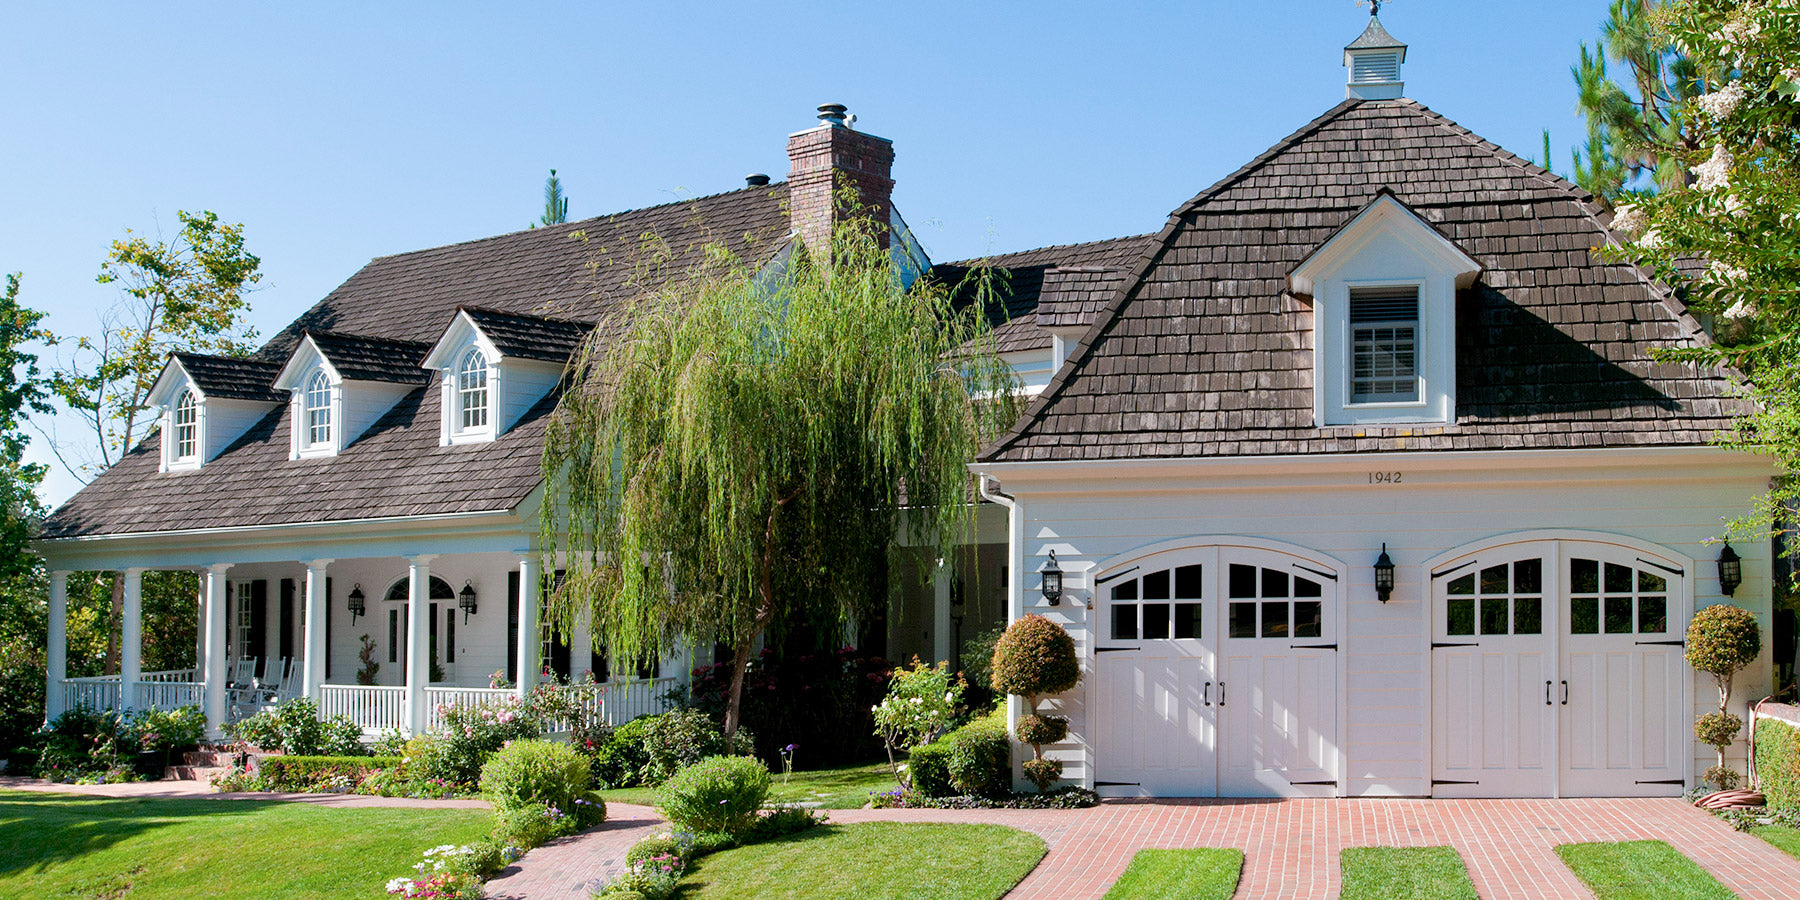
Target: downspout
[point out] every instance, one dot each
(1015, 578)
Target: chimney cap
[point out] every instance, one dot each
(756, 179)
(833, 112)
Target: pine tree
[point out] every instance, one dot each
(556, 206)
(1638, 133)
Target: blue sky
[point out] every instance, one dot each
(339, 132)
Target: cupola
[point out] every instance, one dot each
(1374, 61)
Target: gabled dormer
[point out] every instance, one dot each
(207, 402)
(339, 385)
(492, 367)
(1383, 291)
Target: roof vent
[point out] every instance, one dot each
(756, 180)
(833, 113)
(1374, 60)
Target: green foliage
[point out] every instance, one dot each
(1720, 776)
(928, 770)
(169, 731)
(620, 761)
(320, 774)
(716, 794)
(1639, 130)
(532, 825)
(21, 694)
(91, 746)
(531, 772)
(682, 737)
(1042, 772)
(1778, 763)
(780, 823)
(186, 294)
(1035, 656)
(294, 728)
(1041, 729)
(556, 205)
(681, 848)
(22, 392)
(1717, 729)
(739, 431)
(978, 656)
(921, 702)
(980, 762)
(472, 734)
(1722, 639)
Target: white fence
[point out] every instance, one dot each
(168, 694)
(100, 693)
(626, 700)
(440, 699)
(374, 708)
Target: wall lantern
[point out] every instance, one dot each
(1731, 571)
(358, 602)
(1053, 588)
(465, 599)
(1384, 574)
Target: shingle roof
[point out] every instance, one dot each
(529, 337)
(1066, 279)
(1374, 37)
(232, 377)
(361, 358)
(1204, 354)
(379, 324)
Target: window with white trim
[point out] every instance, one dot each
(472, 391)
(186, 427)
(317, 409)
(1384, 344)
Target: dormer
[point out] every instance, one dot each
(1383, 292)
(208, 402)
(492, 367)
(339, 385)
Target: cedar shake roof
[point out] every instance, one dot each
(1074, 280)
(532, 290)
(232, 377)
(1203, 353)
(529, 337)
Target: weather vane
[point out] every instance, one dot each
(1373, 5)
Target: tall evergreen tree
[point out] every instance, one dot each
(556, 206)
(1639, 131)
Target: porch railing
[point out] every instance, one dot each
(438, 700)
(374, 708)
(626, 700)
(168, 694)
(185, 676)
(96, 693)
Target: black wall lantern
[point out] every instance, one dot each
(1731, 571)
(465, 599)
(358, 602)
(1384, 574)
(1053, 588)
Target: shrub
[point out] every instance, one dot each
(928, 770)
(818, 700)
(1778, 763)
(532, 825)
(542, 772)
(1720, 641)
(87, 746)
(681, 738)
(294, 727)
(661, 845)
(21, 696)
(782, 822)
(170, 731)
(978, 663)
(981, 757)
(719, 793)
(1043, 772)
(1717, 729)
(1041, 729)
(333, 774)
(1035, 656)
(471, 734)
(920, 704)
(619, 761)
(1061, 798)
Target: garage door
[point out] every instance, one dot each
(1216, 675)
(1557, 671)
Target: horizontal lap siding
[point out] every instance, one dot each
(1387, 701)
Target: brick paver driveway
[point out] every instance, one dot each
(1291, 847)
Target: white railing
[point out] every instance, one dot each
(184, 676)
(374, 708)
(626, 700)
(440, 699)
(98, 693)
(168, 694)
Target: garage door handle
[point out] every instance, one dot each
(1565, 693)
(1221, 693)
(1206, 694)
(1546, 693)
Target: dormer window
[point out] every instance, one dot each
(317, 406)
(186, 428)
(1384, 345)
(472, 391)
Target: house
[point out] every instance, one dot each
(1359, 478)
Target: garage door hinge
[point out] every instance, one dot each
(1118, 784)
(1663, 643)
(1112, 649)
(1313, 647)
(1664, 781)
(1437, 781)
(1435, 645)
(1331, 783)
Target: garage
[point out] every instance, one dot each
(1216, 674)
(1557, 671)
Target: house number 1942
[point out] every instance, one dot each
(1384, 477)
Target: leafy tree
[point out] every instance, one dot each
(22, 392)
(556, 206)
(1638, 132)
(735, 458)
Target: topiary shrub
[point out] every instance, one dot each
(531, 772)
(1721, 641)
(716, 794)
(1034, 657)
(1041, 729)
(1778, 763)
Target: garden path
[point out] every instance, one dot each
(561, 869)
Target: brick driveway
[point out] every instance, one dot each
(1291, 847)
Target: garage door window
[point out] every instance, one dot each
(1503, 599)
(1160, 605)
(1272, 603)
(1616, 599)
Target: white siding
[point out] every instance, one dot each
(227, 420)
(364, 403)
(523, 384)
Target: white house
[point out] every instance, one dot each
(1360, 475)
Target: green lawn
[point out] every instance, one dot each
(1405, 873)
(1785, 839)
(1203, 874)
(1650, 870)
(871, 861)
(58, 845)
(846, 788)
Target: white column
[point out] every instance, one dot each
(418, 644)
(57, 654)
(940, 611)
(131, 638)
(313, 650)
(530, 641)
(216, 658)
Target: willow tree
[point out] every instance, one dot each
(735, 453)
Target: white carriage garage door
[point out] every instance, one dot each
(1557, 671)
(1216, 675)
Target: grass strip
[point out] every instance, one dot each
(871, 861)
(1206, 873)
(1405, 873)
(1650, 870)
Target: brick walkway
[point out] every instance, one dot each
(561, 869)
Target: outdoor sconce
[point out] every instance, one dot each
(465, 599)
(1053, 587)
(357, 602)
(1384, 574)
(1731, 571)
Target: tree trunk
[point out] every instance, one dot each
(765, 589)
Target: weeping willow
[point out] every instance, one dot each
(735, 452)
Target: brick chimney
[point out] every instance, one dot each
(829, 154)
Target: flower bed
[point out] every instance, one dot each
(1064, 798)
